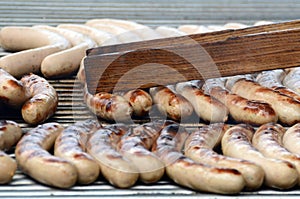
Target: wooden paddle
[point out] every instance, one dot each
(199, 56)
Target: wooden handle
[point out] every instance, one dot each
(235, 55)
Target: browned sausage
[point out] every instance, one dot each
(118, 170)
(199, 147)
(241, 109)
(108, 106)
(206, 107)
(268, 140)
(173, 105)
(10, 133)
(12, 91)
(184, 171)
(34, 159)
(70, 145)
(135, 145)
(236, 142)
(140, 101)
(287, 108)
(43, 100)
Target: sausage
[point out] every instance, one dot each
(100, 37)
(291, 79)
(199, 147)
(273, 79)
(10, 133)
(287, 108)
(268, 140)
(34, 159)
(81, 73)
(186, 172)
(291, 139)
(65, 62)
(140, 101)
(234, 25)
(236, 143)
(193, 29)
(135, 146)
(171, 104)
(122, 34)
(118, 170)
(12, 91)
(70, 145)
(214, 110)
(34, 45)
(241, 109)
(142, 31)
(108, 106)
(166, 31)
(43, 100)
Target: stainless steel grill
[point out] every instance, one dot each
(71, 107)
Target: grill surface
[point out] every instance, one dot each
(71, 107)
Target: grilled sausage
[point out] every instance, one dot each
(206, 107)
(273, 79)
(12, 91)
(241, 109)
(140, 101)
(65, 62)
(10, 133)
(43, 100)
(34, 45)
(135, 146)
(291, 79)
(184, 171)
(100, 37)
(268, 140)
(34, 159)
(118, 170)
(199, 147)
(236, 142)
(108, 106)
(291, 139)
(70, 145)
(287, 108)
(173, 105)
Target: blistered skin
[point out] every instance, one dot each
(186, 172)
(34, 159)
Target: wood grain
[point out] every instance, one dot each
(235, 55)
